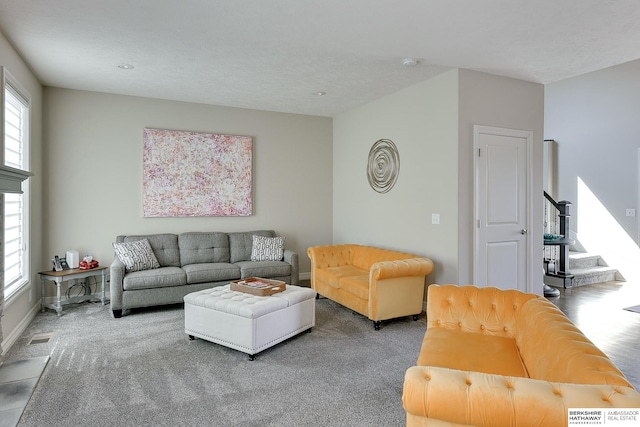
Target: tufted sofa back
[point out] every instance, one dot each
(488, 310)
(359, 256)
(197, 247)
(330, 256)
(203, 247)
(554, 349)
(365, 256)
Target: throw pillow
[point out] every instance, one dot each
(136, 255)
(267, 248)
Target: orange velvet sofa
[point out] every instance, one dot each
(378, 283)
(495, 358)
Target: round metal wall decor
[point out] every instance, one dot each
(384, 165)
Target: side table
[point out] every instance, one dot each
(75, 273)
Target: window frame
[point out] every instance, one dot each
(17, 90)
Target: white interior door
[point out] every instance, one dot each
(501, 210)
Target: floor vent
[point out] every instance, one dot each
(41, 338)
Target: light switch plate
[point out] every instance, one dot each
(435, 218)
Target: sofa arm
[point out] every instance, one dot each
(401, 268)
(292, 258)
(116, 278)
(396, 288)
(484, 400)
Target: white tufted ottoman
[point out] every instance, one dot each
(246, 322)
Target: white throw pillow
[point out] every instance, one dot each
(136, 255)
(267, 248)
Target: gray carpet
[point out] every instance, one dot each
(142, 370)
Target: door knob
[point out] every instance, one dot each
(523, 231)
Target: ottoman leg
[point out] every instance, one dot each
(191, 338)
(252, 357)
(376, 325)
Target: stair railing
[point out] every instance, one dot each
(556, 223)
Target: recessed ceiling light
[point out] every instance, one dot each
(125, 66)
(410, 62)
(320, 93)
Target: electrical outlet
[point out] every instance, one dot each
(435, 218)
(631, 212)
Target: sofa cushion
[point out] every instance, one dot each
(267, 248)
(263, 269)
(165, 247)
(136, 256)
(241, 243)
(356, 285)
(203, 247)
(211, 272)
(468, 351)
(158, 278)
(333, 275)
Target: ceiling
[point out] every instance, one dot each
(275, 54)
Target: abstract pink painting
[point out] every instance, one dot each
(196, 174)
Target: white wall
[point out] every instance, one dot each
(94, 165)
(423, 123)
(23, 306)
(490, 100)
(594, 119)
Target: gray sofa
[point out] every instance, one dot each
(191, 262)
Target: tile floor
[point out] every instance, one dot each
(17, 381)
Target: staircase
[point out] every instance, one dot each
(589, 268)
(584, 269)
(565, 268)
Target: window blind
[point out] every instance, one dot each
(16, 132)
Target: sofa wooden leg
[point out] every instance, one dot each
(415, 317)
(117, 313)
(252, 357)
(191, 338)
(376, 325)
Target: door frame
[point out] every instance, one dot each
(516, 133)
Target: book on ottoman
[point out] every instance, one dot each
(258, 286)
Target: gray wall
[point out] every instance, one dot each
(94, 165)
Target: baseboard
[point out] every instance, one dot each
(304, 276)
(17, 332)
